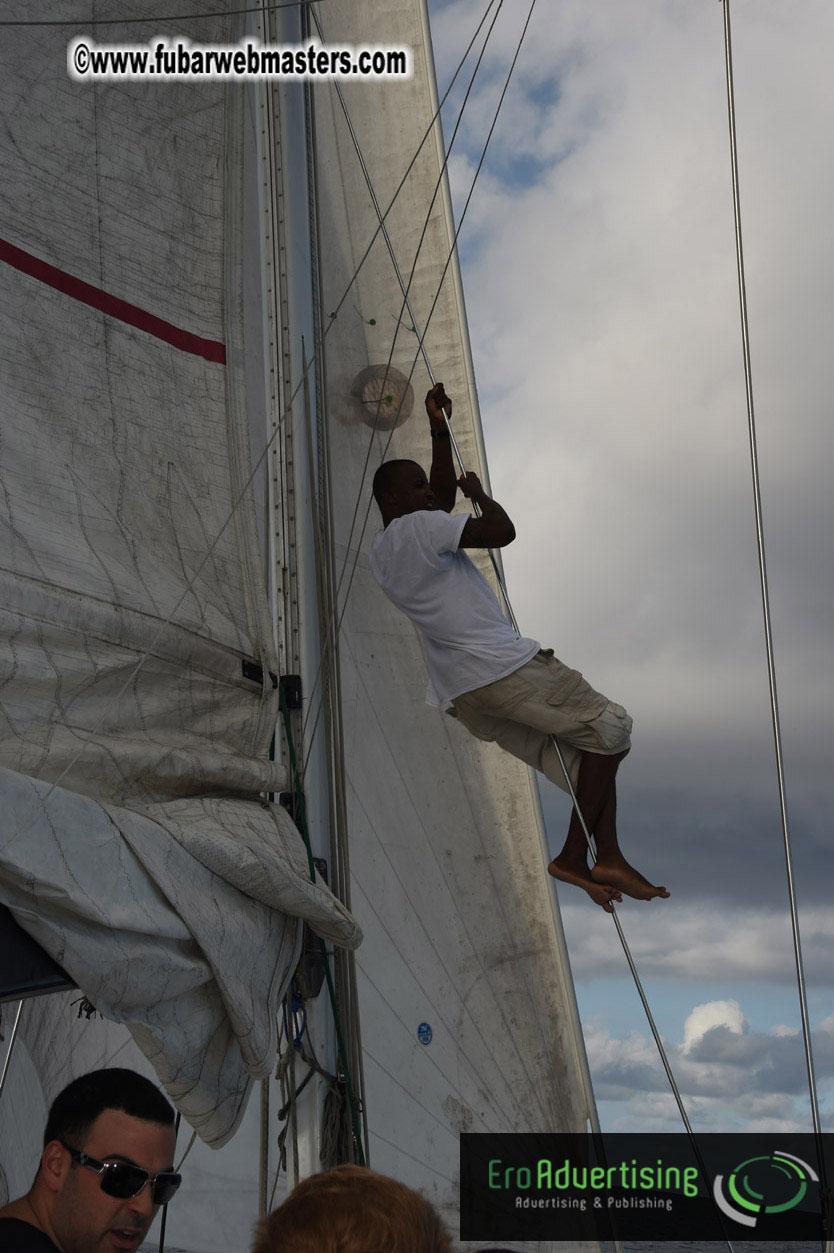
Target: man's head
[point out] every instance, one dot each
(401, 487)
(352, 1210)
(108, 1116)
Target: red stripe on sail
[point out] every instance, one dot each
(210, 349)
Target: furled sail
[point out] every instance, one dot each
(139, 688)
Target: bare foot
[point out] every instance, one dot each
(626, 878)
(578, 873)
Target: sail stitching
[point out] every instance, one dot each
(188, 590)
(405, 287)
(334, 625)
(475, 948)
(337, 623)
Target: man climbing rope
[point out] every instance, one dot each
(503, 687)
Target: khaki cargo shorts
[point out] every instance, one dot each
(546, 698)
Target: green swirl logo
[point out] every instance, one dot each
(763, 1185)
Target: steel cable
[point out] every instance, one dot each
(768, 632)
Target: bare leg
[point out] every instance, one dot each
(597, 797)
(611, 867)
(594, 787)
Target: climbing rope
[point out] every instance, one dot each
(405, 288)
(406, 306)
(331, 1133)
(336, 622)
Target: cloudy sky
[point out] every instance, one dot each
(599, 268)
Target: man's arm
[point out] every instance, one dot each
(494, 528)
(442, 473)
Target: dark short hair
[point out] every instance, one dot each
(74, 1110)
(388, 476)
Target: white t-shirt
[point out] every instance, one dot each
(467, 640)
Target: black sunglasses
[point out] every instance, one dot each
(124, 1180)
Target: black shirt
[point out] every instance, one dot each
(16, 1236)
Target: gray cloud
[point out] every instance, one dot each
(696, 942)
(601, 286)
(727, 1070)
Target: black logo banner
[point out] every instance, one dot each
(646, 1187)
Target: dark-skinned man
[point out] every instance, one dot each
(503, 686)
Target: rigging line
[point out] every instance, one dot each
(638, 984)
(459, 997)
(165, 17)
(256, 468)
(771, 667)
(339, 852)
(574, 801)
(641, 993)
(404, 288)
(164, 1219)
(12, 1038)
(410, 1097)
(624, 943)
(475, 948)
(188, 1149)
(382, 229)
(337, 624)
(418, 1161)
(644, 1000)
(302, 824)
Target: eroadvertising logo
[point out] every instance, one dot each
(643, 1187)
(771, 1184)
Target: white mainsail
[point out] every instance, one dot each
(128, 505)
(446, 846)
(139, 696)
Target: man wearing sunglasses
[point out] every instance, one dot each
(106, 1167)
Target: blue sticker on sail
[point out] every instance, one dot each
(424, 1033)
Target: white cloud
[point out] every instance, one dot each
(713, 1014)
(782, 1029)
(730, 1077)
